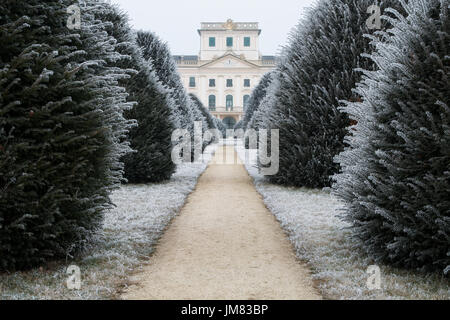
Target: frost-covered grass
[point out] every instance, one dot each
(321, 238)
(124, 244)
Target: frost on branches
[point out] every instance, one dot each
(318, 73)
(395, 178)
(62, 130)
(150, 140)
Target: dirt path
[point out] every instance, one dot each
(225, 244)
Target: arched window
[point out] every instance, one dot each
(246, 101)
(212, 102)
(229, 102)
(229, 122)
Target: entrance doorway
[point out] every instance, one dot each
(229, 122)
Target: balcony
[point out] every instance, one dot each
(234, 109)
(186, 60)
(268, 60)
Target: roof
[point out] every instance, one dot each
(229, 25)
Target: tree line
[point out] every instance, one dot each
(367, 113)
(83, 109)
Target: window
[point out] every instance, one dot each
(246, 41)
(246, 101)
(229, 102)
(229, 41)
(212, 102)
(229, 122)
(212, 41)
(212, 82)
(247, 83)
(192, 82)
(229, 83)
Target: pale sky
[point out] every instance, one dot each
(177, 21)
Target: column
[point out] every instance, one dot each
(238, 93)
(220, 99)
(202, 90)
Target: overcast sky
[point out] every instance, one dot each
(177, 21)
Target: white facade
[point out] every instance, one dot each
(227, 68)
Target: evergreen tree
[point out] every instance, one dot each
(238, 125)
(196, 106)
(210, 124)
(264, 116)
(202, 115)
(255, 99)
(158, 55)
(395, 178)
(62, 130)
(151, 139)
(319, 72)
(221, 127)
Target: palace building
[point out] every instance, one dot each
(227, 68)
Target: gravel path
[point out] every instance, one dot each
(224, 244)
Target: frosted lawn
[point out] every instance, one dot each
(321, 239)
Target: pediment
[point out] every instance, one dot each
(229, 61)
